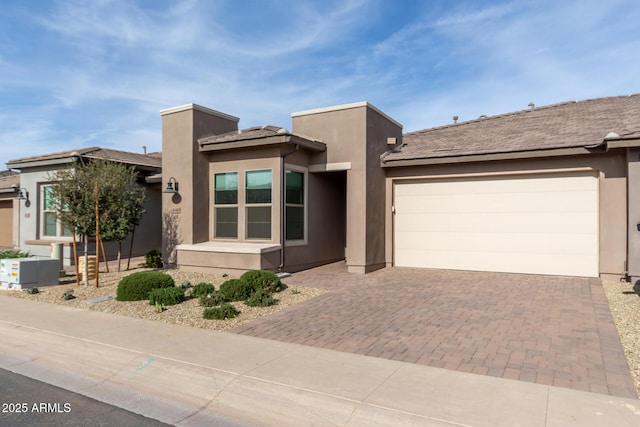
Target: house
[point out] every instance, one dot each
(9, 186)
(547, 190)
(37, 224)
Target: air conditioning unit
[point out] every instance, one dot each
(22, 273)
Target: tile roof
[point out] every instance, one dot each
(566, 125)
(244, 134)
(259, 133)
(9, 180)
(153, 160)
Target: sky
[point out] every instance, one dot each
(76, 74)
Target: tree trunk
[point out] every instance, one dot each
(133, 231)
(75, 258)
(86, 260)
(119, 254)
(104, 255)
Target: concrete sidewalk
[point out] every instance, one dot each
(183, 375)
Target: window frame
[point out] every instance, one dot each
(247, 205)
(226, 205)
(305, 216)
(60, 229)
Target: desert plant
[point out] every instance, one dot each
(14, 254)
(32, 291)
(159, 307)
(236, 290)
(225, 311)
(202, 289)
(153, 259)
(186, 284)
(137, 286)
(166, 296)
(260, 299)
(262, 279)
(211, 300)
(68, 295)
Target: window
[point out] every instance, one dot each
(50, 226)
(258, 204)
(294, 205)
(226, 205)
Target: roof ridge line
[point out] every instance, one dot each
(511, 113)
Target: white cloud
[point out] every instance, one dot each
(98, 72)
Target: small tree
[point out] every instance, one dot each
(119, 198)
(123, 211)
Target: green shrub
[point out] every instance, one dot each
(236, 290)
(211, 300)
(32, 291)
(260, 299)
(262, 279)
(225, 311)
(166, 296)
(68, 295)
(137, 286)
(14, 254)
(153, 259)
(202, 289)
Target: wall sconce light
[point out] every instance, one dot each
(172, 186)
(23, 194)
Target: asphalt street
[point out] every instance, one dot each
(28, 402)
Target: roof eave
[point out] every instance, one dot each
(263, 141)
(516, 155)
(18, 164)
(624, 142)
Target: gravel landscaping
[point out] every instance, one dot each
(625, 308)
(187, 313)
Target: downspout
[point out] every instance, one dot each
(283, 201)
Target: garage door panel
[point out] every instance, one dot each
(570, 265)
(473, 244)
(495, 202)
(530, 224)
(496, 222)
(545, 183)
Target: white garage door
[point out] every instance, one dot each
(539, 224)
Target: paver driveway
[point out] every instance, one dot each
(549, 330)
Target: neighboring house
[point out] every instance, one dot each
(551, 190)
(9, 186)
(38, 226)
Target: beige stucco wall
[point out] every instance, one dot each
(227, 263)
(326, 213)
(357, 135)
(610, 167)
(185, 215)
(633, 157)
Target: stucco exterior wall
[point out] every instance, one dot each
(326, 210)
(185, 215)
(610, 167)
(633, 157)
(356, 134)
